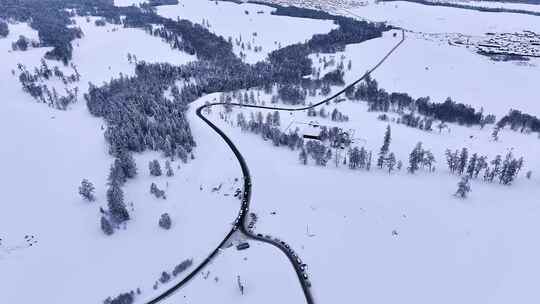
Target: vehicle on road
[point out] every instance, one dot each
(242, 246)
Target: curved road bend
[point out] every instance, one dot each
(246, 197)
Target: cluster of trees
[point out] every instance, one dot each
(165, 276)
(155, 168)
(335, 115)
(33, 84)
(292, 62)
(139, 117)
(338, 116)
(23, 43)
(123, 298)
(51, 20)
(4, 29)
(317, 150)
(386, 158)
(291, 94)
(448, 111)
(158, 193)
(122, 169)
(269, 129)
(518, 121)
(334, 77)
(505, 171)
(360, 158)
(420, 158)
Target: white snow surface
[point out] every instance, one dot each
(340, 221)
(229, 19)
(479, 250)
(438, 19)
(422, 67)
(48, 152)
(497, 4)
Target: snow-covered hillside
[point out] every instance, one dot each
(248, 25)
(438, 19)
(362, 233)
(428, 66)
(48, 152)
(365, 235)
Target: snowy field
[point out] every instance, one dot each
(496, 4)
(264, 271)
(248, 23)
(446, 250)
(341, 222)
(438, 19)
(445, 71)
(51, 151)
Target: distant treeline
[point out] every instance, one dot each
(480, 8)
(519, 121)
(293, 60)
(448, 111)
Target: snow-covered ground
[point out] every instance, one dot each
(438, 19)
(48, 152)
(248, 23)
(495, 4)
(423, 67)
(446, 250)
(264, 271)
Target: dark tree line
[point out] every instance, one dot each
(519, 121)
(463, 5)
(448, 111)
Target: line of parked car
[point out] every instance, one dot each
(296, 259)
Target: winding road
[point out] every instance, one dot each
(240, 223)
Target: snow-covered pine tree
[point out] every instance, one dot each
(115, 202)
(155, 168)
(165, 221)
(385, 147)
(463, 159)
(106, 226)
(473, 163)
(415, 158)
(464, 187)
(168, 169)
(391, 162)
(86, 190)
(303, 157)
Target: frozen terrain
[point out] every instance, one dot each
(463, 75)
(341, 222)
(438, 19)
(51, 151)
(248, 24)
(369, 237)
